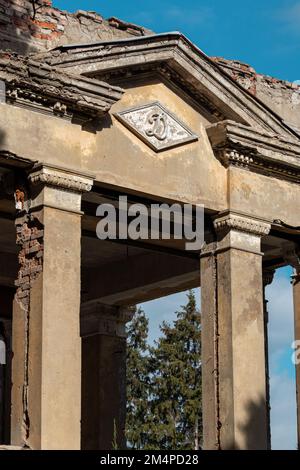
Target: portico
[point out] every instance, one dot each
(78, 130)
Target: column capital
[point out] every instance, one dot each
(102, 319)
(268, 276)
(224, 222)
(292, 256)
(296, 277)
(56, 187)
(240, 232)
(49, 175)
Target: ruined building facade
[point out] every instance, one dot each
(77, 94)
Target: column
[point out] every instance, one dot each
(233, 336)
(209, 347)
(268, 276)
(291, 254)
(296, 292)
(46, 371)
(2, 382)
(103, 376)
(5, 333)
(6, 296)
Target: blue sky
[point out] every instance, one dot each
(281, 336)
(263, 33)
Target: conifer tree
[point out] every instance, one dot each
(164, 383)
(138, 388)
(176, 383)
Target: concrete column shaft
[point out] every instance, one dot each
(296, 292)
(46, 393)
(233, 344)
(103, 376)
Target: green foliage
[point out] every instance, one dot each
(115, 439)
(164, 383)
(137, 381)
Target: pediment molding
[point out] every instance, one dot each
(180, 62)
(43, 88)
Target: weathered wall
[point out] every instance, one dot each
(281, 96)
(22, 29)
(128, 162)
(189, 173)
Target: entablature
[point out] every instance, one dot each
(262, 152)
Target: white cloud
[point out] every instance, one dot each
(191, 16)
(176, 17)
(283, 413)
(281, 317)
(145, 18)
(290, 17)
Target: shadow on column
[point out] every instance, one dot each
(103, 410)
(6, 295)
(255, 429)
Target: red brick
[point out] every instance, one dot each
(46, 25)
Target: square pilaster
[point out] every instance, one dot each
(233, 343)
(46, 393)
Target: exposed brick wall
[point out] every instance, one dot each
(30, 236)
(242, 73)
(281, 96)
(25, 29)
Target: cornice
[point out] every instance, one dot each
(43, 88)
(248, 148)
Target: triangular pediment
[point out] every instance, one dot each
(179, 62)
